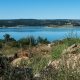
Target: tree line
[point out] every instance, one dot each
(30, 40)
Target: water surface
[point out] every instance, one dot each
(49, 33)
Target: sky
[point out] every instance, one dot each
(39, 9)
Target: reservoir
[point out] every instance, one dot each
(50, 33)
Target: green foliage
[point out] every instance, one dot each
(38, 62)
(6, 37)
(27, 41)
(57, 51)
(42, 40)
(23, 42)
(71, 38)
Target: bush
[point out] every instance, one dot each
(42, 40)
(71, 38)
(57, 51)
(27, 41)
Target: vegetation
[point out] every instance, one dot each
(39, 63)
(35, 22)
(30, 40)
(10, 46)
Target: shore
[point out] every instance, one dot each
(63, 26)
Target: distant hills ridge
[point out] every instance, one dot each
(38, 22)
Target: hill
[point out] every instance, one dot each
(38, 22)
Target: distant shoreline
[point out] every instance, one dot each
(56, 26)
(52, 26)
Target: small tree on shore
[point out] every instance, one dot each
(6, 37)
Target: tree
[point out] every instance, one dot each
(39, 40)
(6, 37)
(42, 40)
(27, 41)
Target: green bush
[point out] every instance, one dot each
(42, 40)
(27, 41)
(71, 38)
(57, 51)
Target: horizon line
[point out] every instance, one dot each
(39, 19)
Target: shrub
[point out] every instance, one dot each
(71, 38)
(57, 51)
(42, 40)
(27, 41)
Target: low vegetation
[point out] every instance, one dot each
(52, 66)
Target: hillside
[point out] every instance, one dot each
(38, 22)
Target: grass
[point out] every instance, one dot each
(57, 51)
(71, 38)
(38, 62)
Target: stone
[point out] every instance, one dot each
(75, 48)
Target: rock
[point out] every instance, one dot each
(51, 44)
(37, 75)
(75, 48)
(16, 62)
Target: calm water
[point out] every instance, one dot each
(49, 33)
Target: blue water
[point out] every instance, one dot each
(49, 33)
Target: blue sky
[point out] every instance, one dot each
(39, 9)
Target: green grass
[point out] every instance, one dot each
(71, 38)
(38, 62)
(57, 51)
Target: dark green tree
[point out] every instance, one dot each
(27, 41)
(41, 40)
(6, 37)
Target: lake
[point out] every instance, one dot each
(49, 33)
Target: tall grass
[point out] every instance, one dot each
(57, 51)
(38, 62)
(71, 38)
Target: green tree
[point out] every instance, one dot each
(42, 40)
(27, 41)
(6, 37)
